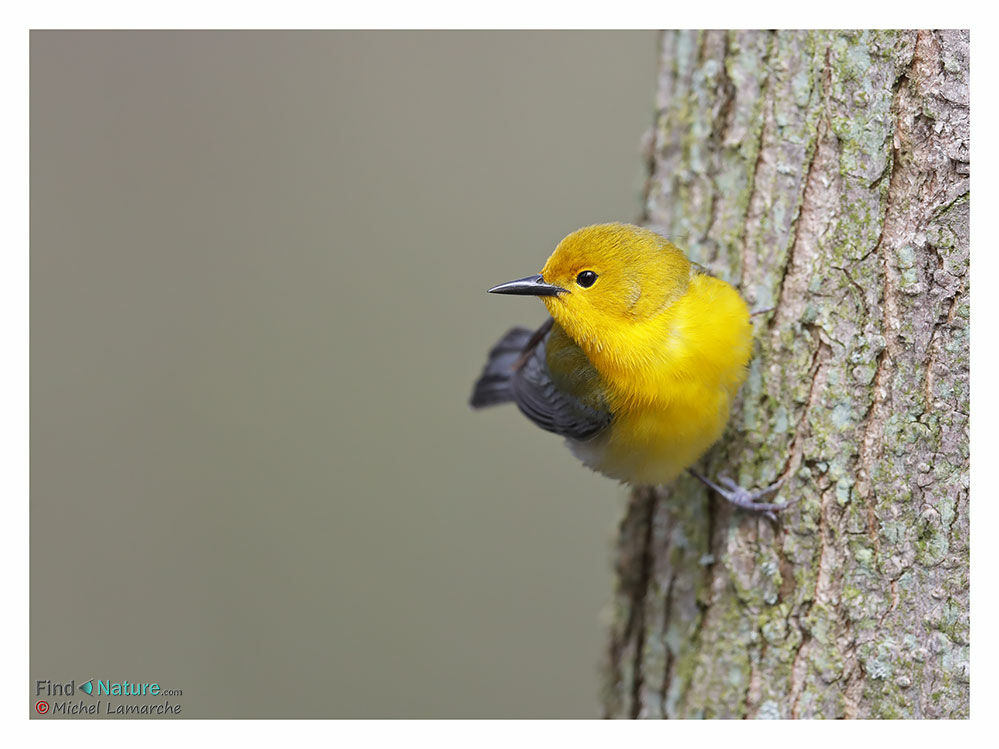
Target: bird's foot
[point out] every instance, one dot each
(744, 498)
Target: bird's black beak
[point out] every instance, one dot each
(530, 286)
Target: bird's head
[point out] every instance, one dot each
(603, 279)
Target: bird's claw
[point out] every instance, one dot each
(744, 498)
(730, 483)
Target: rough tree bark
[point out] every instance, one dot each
(826, 174)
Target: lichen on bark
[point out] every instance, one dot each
(825, 174)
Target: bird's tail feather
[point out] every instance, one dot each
(493, 386)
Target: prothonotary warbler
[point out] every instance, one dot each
(637, 365)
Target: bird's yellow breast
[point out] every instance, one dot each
(669, 382)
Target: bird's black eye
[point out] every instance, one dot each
(586, 278)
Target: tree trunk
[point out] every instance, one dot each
(826, 175)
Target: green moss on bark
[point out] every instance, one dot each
(825, 173)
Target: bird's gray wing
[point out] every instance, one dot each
(551, 405)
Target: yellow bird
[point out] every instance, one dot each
(639, 362)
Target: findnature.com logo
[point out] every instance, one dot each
(99, 688)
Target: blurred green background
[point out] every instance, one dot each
(258, 263)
